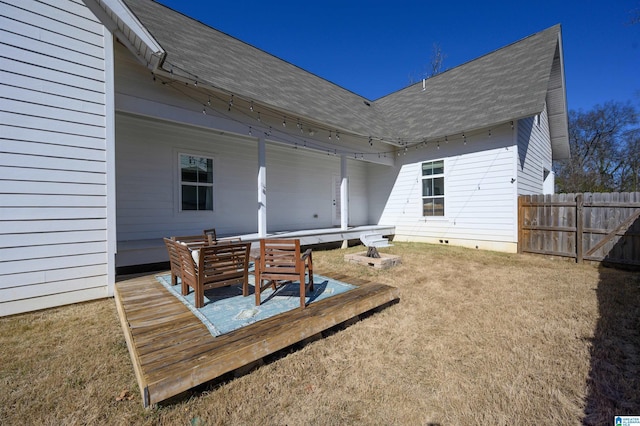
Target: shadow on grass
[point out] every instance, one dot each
(216, 383)
(613, 385)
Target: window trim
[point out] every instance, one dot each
(433, 176)
(180, 183)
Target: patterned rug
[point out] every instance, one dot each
(225, 309)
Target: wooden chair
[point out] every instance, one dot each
(211, 235)
(193, 241)
(174, 260)
(281, 260)
(213, 266)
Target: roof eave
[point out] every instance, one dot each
(122, 23)
(559, 117)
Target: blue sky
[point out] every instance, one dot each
(374, 48)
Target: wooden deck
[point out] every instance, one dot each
(172, 351)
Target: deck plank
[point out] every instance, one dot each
(172, 351)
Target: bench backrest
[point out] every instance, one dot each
(224, 263)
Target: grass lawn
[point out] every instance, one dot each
(477, 338)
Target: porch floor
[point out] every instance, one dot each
(153, 250)
(172, 351)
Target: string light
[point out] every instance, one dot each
(405, 144)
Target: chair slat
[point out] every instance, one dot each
(280, 260)
(218, 265)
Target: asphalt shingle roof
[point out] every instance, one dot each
(504, 85)
(507, 84)
(235, 66)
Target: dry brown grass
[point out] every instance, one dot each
(477, 338)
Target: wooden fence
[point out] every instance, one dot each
(601, 227)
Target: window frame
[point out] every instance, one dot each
(181, 183)
(432, 177)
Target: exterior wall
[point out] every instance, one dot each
(55, 159)
(299, 186)
(147, 177)
(300, 189)
(534, 156)
(480, 196)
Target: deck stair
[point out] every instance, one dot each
(373, 241)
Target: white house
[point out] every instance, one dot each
(123, 121)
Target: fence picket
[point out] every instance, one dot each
(589, 226)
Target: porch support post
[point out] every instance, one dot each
(344, 197)
(262, 188)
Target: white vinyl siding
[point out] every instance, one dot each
(300, 189)
(480, 195)
(53, 159)
(534, 153)
(148, 180)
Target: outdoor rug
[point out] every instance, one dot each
(225, 309)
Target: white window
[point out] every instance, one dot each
(196, 182)
(433, 188)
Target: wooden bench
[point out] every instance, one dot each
(212, 266)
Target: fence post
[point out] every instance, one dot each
(520, 223)
(579, 227)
